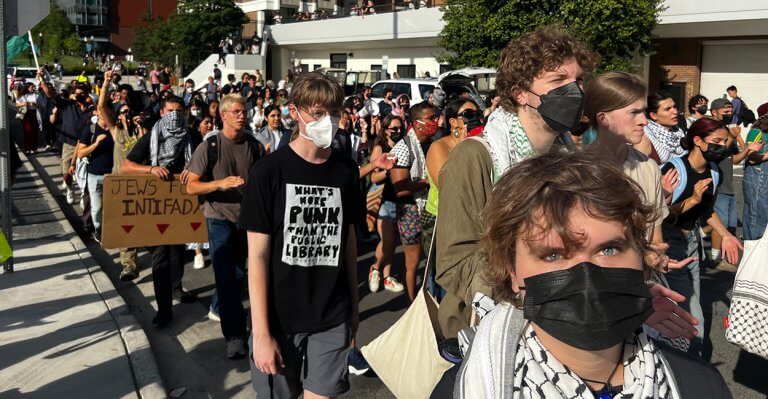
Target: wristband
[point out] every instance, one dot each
(150, 169)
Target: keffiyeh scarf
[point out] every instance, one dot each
(507, 140)
(169, 136)
(665, 141)
(506, 360)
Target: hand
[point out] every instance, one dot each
(268, 148)
(755, 146)
(71, 170)
(266, 355)
(107, 76)
(656, 257)
(230, 182)
(161, 172)
(669, 181)
(735, 131)
(184, 176)
(385, 161)
(137, 119)
(668, 318)
(699, 189)
(730, 246)
(100, 138)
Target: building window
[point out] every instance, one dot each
(445, 68)
(677, 91)
(406, 71)
(375, 67)
(303, 68)
(316, 67)
(339, 60)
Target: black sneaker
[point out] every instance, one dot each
(184, 296)
(357, 363)
(236, 348)
(162, 319)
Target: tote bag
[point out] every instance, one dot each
(406, 357)
(5, 249)
(748, 315)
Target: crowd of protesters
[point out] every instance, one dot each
(524, 201)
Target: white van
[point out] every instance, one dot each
(478, 81)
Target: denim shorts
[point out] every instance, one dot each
(388, 211)
(725, 207)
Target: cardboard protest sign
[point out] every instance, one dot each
(142, 210)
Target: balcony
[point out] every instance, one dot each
(423, 23)
(713, 18)
(258, 5)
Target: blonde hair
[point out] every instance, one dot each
(229, 100)
(611, 91)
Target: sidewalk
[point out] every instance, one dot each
(64, 330)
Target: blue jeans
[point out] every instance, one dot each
(755, 188)
(686, 281)
(725, 207)
(228, 248)
(95, 191)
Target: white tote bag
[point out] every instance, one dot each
(748, 315)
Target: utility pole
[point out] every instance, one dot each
(5, 147)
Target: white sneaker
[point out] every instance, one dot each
(199, 262)
(63, 186)
(82, 201)
(70, 196)
(213, 315)
(374, 280)
(391, 284)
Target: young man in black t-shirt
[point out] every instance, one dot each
(300, 207)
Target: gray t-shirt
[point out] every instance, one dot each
(235, 159)
(726, 169)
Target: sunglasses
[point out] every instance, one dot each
(125, 111)
(469, 114)
(395, 129)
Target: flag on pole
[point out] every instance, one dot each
(14, 46)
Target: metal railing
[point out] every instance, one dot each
(352, 12)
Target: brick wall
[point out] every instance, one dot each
(676, 61)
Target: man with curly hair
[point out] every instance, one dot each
(540, 87)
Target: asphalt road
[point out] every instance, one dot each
(191, 351)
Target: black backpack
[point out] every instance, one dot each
(746, 115)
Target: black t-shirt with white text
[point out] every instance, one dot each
(307, 210)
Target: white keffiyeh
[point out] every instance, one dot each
(506, 360)
(665, 141)
(507, 140)
(169, 136)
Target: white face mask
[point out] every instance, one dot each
(321, 132)
(94, 119)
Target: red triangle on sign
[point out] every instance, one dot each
(162, 227)
(195, 225)
(127, 228)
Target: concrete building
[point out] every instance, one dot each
(90, 17)
(702, 46)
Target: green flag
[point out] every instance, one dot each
(14, 46)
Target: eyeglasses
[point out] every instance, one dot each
(125, 111)
(237, 112)
(395, 129)
(469, 114)
(317, 115)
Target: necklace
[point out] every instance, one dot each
(607, 391)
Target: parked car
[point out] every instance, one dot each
(417, 89)
(352, 81)
(477, 81)
(18, 76)
(482, 80)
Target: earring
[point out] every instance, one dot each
(456, 133)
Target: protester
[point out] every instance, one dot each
(662, 135)
(303, 291)
(166, 78)
(218, 181)
(392, 131)
(693, 200)
(97, 144)
(29, 103)
(565, 236)
(755, 183)
(125, 132)
(738, 105)
(409, 179)
(258, 117)
(725, 200)
(697, 108)
(272, 131)
(164, 152)
(154, 78)
(544, 64)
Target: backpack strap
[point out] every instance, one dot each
(213, 156)
(678, 164)
(715, 171)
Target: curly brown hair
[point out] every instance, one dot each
(531, 54)
(539, 194)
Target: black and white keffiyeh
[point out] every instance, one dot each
(665, 141)
(506, 360)
(169, 136)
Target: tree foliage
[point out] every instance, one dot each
(477, 30)
(192, 32)
(57, 30)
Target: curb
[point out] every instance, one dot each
(141, 360)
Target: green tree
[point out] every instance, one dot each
(56, 29)
(74, 45)
(477, 30)
(192, 32)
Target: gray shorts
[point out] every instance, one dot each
(67, 153)
(325, 370)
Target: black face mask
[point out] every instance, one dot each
(81, 98)
(714, 153)
(587, 306)
(561, 107)
(396, 135)
(702, 109)
(727, 118)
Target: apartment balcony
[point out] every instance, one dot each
(258, 5)
(372, 31)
